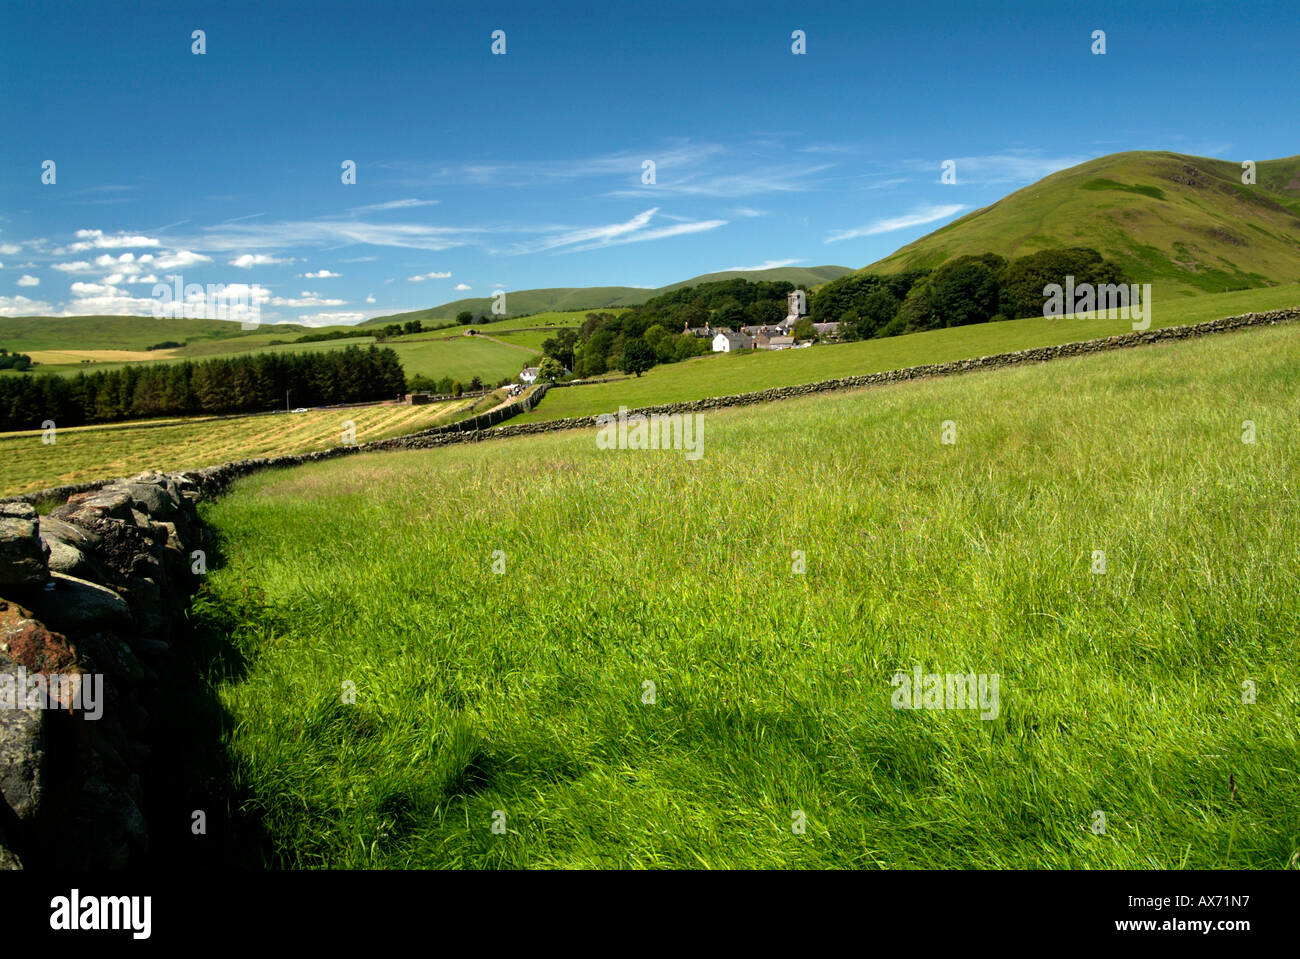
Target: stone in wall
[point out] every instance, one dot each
(24, 558)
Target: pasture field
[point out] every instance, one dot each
(84, 453)
(462, 358)
(653, 683)
(721, 374)
(446, 352)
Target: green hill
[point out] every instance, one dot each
(527, 302)
(122, 332)
(805, 276)
(1187, 223)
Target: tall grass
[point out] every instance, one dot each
(524, 693)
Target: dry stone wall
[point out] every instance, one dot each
(89, 596)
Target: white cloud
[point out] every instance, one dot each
(681, 229)
(79, 266)
(98, 240)
(246, 261)
(106, 299)
(300, 233)
(319, 275)
(329, 319)
(370, 298)
(26, 280)
(918, 217)
(21, 306)
(766, 265)
(1014, 166)
(393, 205)
(463, 286)
(428, 276)
(748, 183)
(614, 234)
(306, 298)
(170, 261)
(10, 249)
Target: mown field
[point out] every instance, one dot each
(86, 453)
(522, 700)
(724, 374)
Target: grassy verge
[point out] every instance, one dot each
(525, 694)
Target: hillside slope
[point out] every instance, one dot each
(29, 333)
(526, 302)
(1186, 223)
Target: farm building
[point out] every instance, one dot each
(727, 342)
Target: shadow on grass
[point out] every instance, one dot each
(191, 770)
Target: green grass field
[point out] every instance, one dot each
(437, 354)
(84, 453)
(525, 696)
(725, 374)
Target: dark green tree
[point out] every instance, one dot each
(637, 357)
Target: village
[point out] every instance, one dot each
(779, 337)
(725, 339)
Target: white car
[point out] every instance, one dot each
(302, 409)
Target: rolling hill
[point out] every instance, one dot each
(527, 302)
(27, 333)
(1185, 222)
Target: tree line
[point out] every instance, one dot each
(968, 289)
(240, 384)
(14, 361)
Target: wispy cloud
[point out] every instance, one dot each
(393, 205)
(435, 275)
(633, 230)
(1013, 166)
(673, 156)
(329, 233)
(768, 265)
(772, 179)
(918, 217)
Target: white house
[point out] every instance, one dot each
(528, 375)
(726, 342)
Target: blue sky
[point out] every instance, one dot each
(477, 172)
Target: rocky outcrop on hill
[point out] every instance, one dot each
(88, 598)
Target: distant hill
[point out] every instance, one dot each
(1187, 223)
(519, 303)
(121, 332)
(27, 333)
(804, 276)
